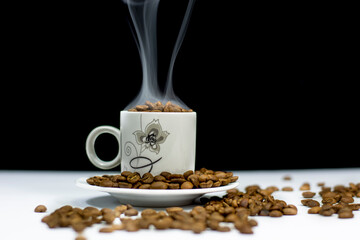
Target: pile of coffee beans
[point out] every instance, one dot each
(233, 210)
(337, 200)
(254, 201)
(79, 219)
(202, 178)
(159, 107)
(216, 214)
(197, 220)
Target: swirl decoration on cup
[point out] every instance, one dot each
(151, 163)
(127, 148)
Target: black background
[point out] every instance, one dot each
(273, 85)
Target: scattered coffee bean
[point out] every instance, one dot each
(109, 217)
(345, 213)
(80, 237)
(326, 211)
(287, 178)
(308, 194)
(290, 211)
(336, 200)
(321, 184)
(106, 230)
(310, 203)
(131, 212)
(174, 209)
(305, 187)
(40, 208)
(275, 213)
(314, 210)
(119, 210)
(233, 208)
(287, 189)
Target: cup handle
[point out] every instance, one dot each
(90, 147)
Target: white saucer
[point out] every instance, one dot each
(155, 197)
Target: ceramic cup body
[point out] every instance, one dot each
(150, 142)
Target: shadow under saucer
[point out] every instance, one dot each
(103, 202)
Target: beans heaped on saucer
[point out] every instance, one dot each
(202, 178)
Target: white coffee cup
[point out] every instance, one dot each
(150, 142)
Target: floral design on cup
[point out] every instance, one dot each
(152, 137)
(149, 139)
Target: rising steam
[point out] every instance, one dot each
(144, 18)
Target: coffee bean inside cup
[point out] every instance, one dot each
(158, 107)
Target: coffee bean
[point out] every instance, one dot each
(194, 179)
(326, 212)
(118, 227)
(126, 173)
(243, 227)
(305, 187)
(345, 213)
(329, 200)
(132, 226)
(158, 185)
(173, 181)
(188, 173)
(106, 230)
(310, 203)
(80, 237)
(287, 178)
(173, 186)
(163, 223)
(187, 185)
(145, 186)
(314, 210)
(203, 178)
(119, 210)
(178, 180)
(109, 217)
(131, 212)
(308, 194)
(207, 184)
(124, 185)
(289, 211)
(220, 174)
(275, 213)
(347, 199)
(133, 177)
(158, 107)
(216, 216)
(174, 209)
(159, 178)
(223, 229)
(40, 208)
(287, 189)
(147, 178)
(199, 227)
(165, 174)
(321, 184)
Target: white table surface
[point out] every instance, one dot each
(22, 191)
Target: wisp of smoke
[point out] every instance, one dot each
(144, 18)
